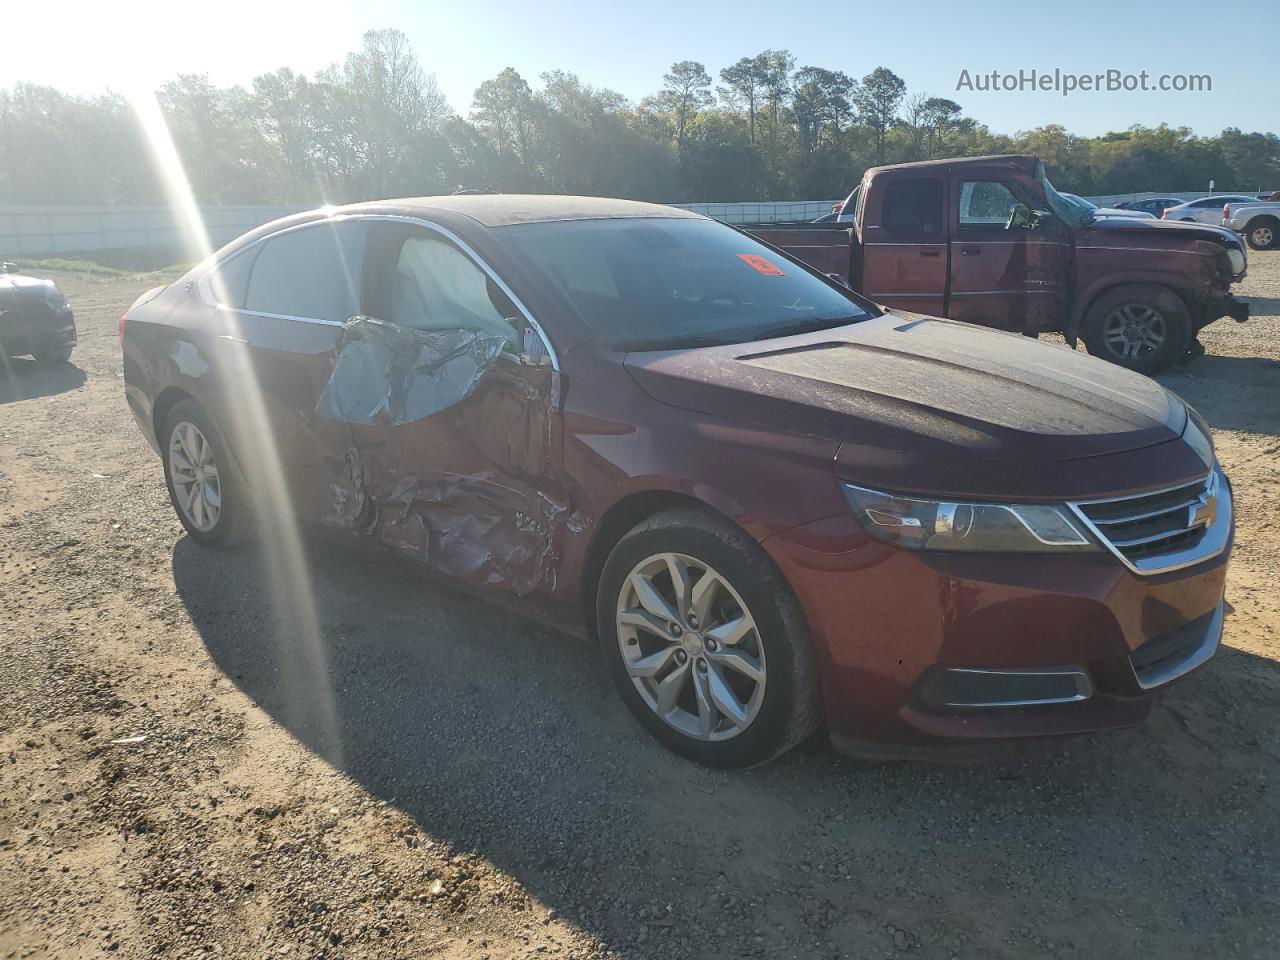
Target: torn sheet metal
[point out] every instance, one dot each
(475, 529)
(389, 374)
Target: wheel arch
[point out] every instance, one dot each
(1091, 296)
(629, 512)
(168, 398)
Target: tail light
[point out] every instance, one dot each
(1164, 214)
(1226, 212)
(123, 317)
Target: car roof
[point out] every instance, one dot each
(504, 209)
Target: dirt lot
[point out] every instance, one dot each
(186, 770)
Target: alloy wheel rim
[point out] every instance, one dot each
(1263, 236)
(195, 476)
(1134, 330)
(691, 647)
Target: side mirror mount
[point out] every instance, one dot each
(1022, 217)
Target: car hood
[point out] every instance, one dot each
(1174, 229)
(19, 283)
(915, 402)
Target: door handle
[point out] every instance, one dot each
(970, 251)
(929, 253)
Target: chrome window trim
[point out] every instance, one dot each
(206, 295)
(1216, 536)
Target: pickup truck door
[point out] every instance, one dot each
(904, 244)
(1012, 279)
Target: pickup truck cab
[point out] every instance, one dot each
(1259, 222)
(988, 240)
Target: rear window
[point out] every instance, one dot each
(664, 284)
(309, 273)
(913, 207)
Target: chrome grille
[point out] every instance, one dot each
(1167, 529)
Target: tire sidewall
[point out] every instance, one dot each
(1177, 320)
(769, 733)
(1275, 235)
(224, 532)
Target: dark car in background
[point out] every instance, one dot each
(774, 505)
(35, 318)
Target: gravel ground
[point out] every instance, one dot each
(188, 769)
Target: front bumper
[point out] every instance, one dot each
(25, 331)
(925, 651)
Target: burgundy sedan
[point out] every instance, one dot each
(775, 506)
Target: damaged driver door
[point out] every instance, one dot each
(449, 393)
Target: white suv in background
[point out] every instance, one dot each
(1206, 209)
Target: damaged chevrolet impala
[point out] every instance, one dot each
(776, 507)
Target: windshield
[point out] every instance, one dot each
(659, 284)
(1073, 210)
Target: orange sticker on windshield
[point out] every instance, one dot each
(761, 264)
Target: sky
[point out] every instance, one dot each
(132, 44)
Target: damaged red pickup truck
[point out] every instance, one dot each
(988, 240)
(774, 505)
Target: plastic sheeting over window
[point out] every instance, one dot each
(436, 287)
(384, 373)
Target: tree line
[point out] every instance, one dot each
(377, 125)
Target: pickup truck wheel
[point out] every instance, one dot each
(705, 641)
(1140, 326)
(1262, 233)
(206, 487)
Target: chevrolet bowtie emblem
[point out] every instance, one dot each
(1203, 512)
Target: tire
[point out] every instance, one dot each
(1140, 326)
(767, 670)
(1262, 233)
(189, 431)
(52, 356)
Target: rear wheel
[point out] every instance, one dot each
(1140, 326)
(705, 642)
(205, 484)
(1262, 234)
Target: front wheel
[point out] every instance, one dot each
(52, 356)
(705, 642)
(1140, 326)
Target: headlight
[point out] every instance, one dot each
(54, 296)
(1236, 256)
(1198, 440)
(949, 525)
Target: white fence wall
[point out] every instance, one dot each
(48, 231)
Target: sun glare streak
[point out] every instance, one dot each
(295, 620)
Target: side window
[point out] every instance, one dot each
(312, 273)
(228, 285)
(913, 208)
(985, 204)
(1206, 204)
(421, 280)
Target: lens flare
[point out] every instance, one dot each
(295, 620)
